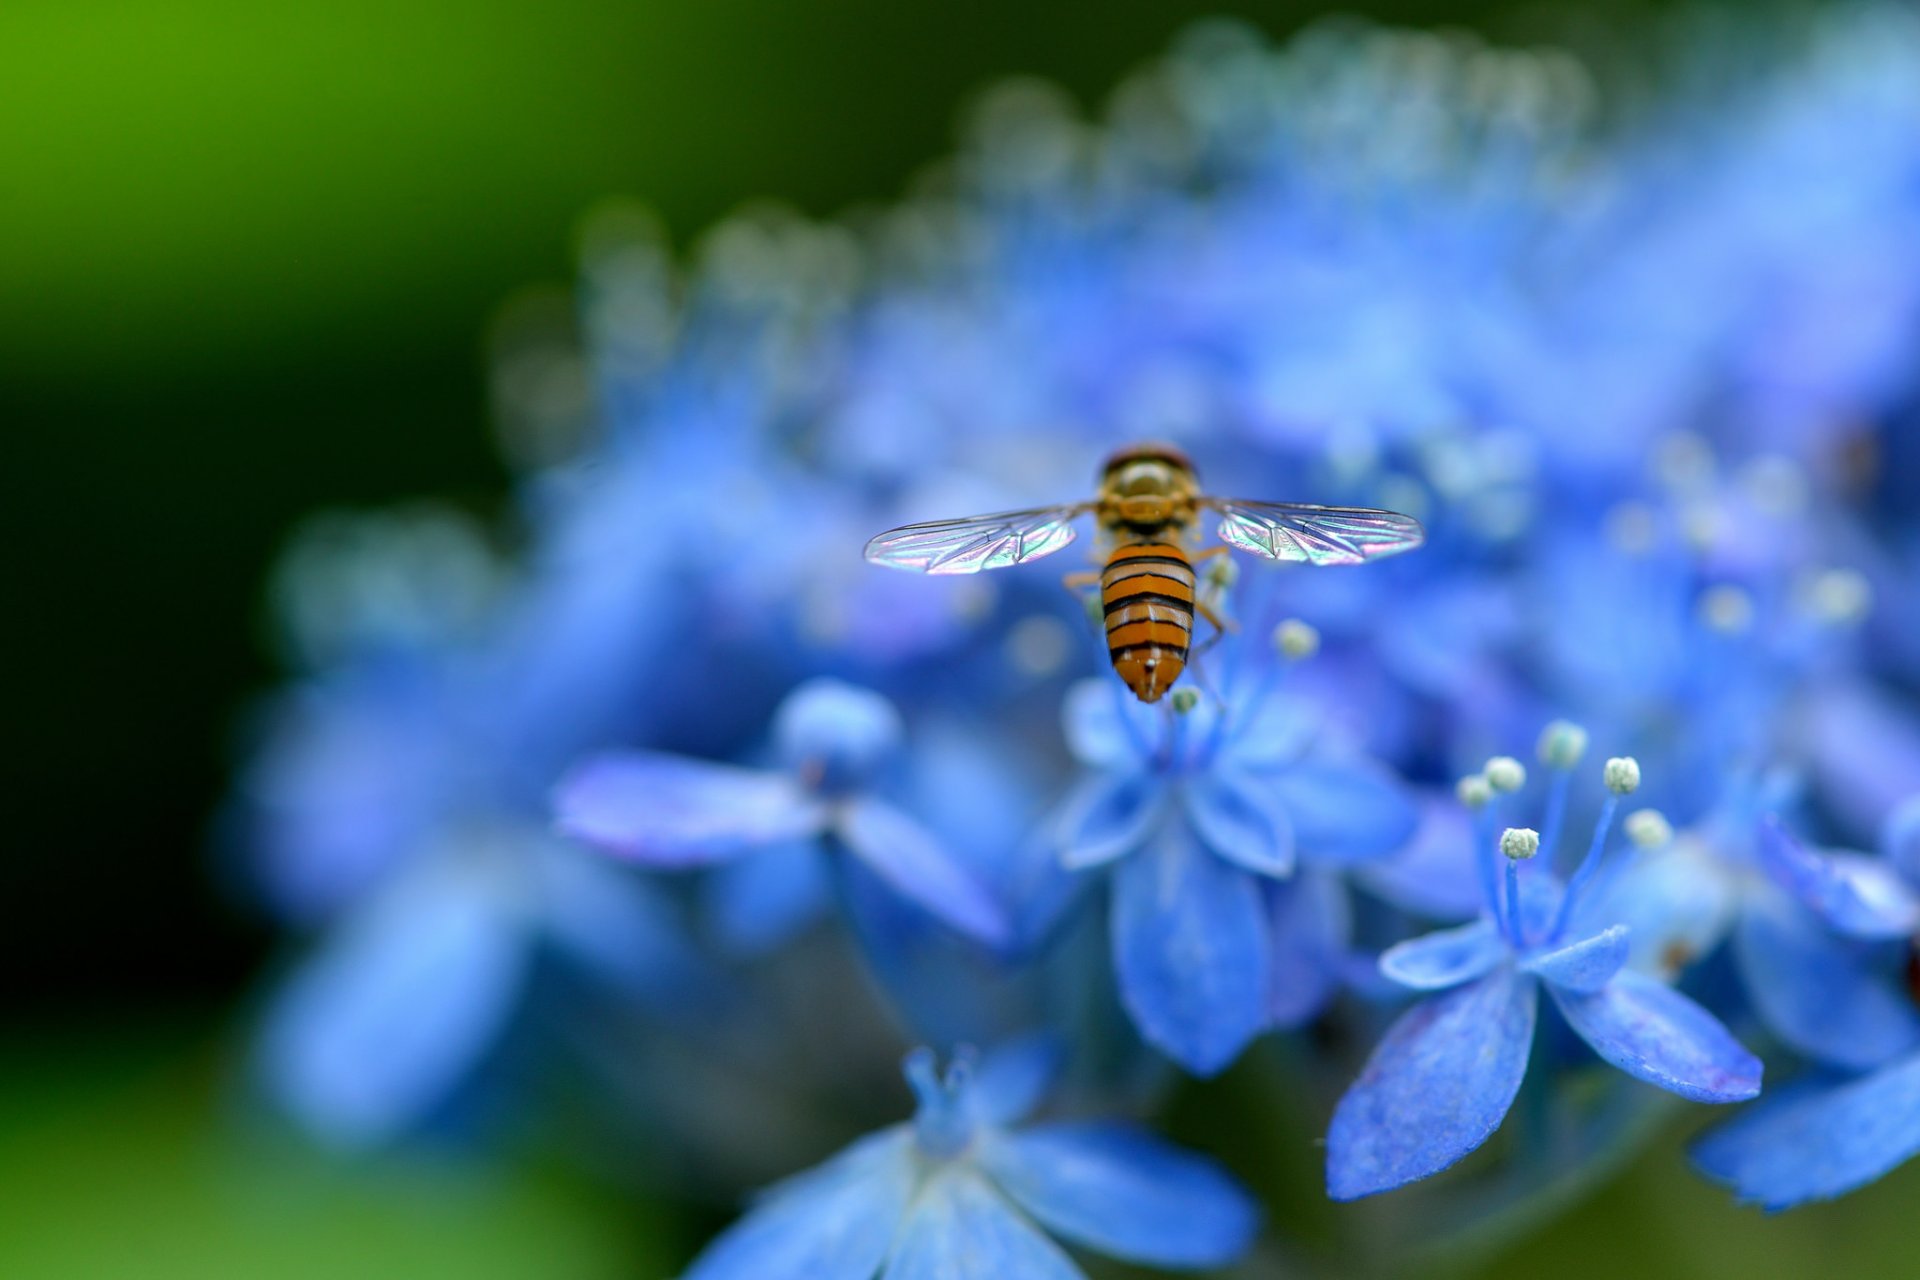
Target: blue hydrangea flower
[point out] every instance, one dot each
(1826, 1136)
(1219, 825)
(970, 1191)
(1447, 1071)
(672, 812)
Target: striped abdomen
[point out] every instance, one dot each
(1147, 588)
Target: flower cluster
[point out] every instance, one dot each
(685, 801)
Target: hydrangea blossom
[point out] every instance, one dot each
(970, 1190)
(1447, 1072)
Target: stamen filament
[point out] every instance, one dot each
(1515, 932)
(1556, 814)
(1588, 865)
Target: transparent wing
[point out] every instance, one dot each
(977, 542)
(1305, 533)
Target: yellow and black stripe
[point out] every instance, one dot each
(1147, 590)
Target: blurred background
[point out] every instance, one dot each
(248, 257)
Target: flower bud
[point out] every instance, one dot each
(1622, 775)
(1519, 843)
(1649, 828)
(1296, 640)
(1504, 773)
(1562, 743)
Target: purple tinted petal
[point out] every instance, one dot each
(1239, 819)
(389, 1018)
(1654, 1033)
(1586, 965)
(1446, 957)
(1013, 1079)
(1819, 1143)
(1346, 811)
(907, 857)
(834, 1223)
(1107, 816)
(668, 811)
(1860, 896)
(1819, 993)
(1312, 924)
(962, 1229)
(1435, 1088)
(1190, 950)
(1124, 1193)
(761, 902)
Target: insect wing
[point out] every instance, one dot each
(1308, 534)
(976, 542)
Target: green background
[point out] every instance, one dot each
(248, 254)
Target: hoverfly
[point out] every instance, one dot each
(1147, 509)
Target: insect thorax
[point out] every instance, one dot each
(1147, 491)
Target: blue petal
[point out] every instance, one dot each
(1900, 838)
(1107, 816)
(1190, 949)
(1311, 927)
(1819, 993)
(833, 1223)
(1013, 1079)
(1435, 1088)
(1235, 820)
(669, 811)
(1446, 957)
(1434, 874)
(961, 1229)
(760, 903)
(1346, 811)
(1860, 896)
(907, 857)
(836, 732)
(1813, 1145)
(1095, 716)
(608, 918)
(392, 1015)
(1584, 966)
(1124, 1193)
(1677, 904)
(1654, 1033)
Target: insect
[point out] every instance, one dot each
(1148, 509)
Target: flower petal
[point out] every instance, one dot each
(1124, 1193)
(1654, 1033)
(1445, 957)
(760, 903)
(1817, 1143)
(386, 1021)
(907, 857)
(618, 923)
(1190, 950)
(1584, 966)
(962, 1229)
(1860, 896)
(1107, 816)
(1434, 874)
(1311, 927)
(1346, 811)
(1819, 993)
(1011, 1081)
(1435, 1088)
(669, 811)
(1096, 717)
(832, 1223)
(1239, 819)
(1677, 904)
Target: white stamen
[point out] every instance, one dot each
(1562, 743)
(1727, 609)
(1184, 700)
(1504, 773)
(1622, 775)
(1296, 640)
(1473, 791)
(1519, 843)
(1649, 828)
